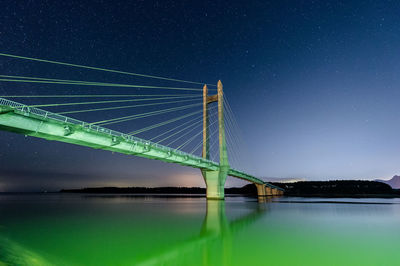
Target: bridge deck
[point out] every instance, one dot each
(20, 118)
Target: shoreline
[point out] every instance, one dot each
(203, 195)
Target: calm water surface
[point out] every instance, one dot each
(54, 229)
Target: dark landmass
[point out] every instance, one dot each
(138, 190)
(394, 182)
(339, 188)
(334, 189)
(249, 189)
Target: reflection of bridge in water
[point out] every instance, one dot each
(32, 121)
(214, 243)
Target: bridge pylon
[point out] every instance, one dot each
(215, 180)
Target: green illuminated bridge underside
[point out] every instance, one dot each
(19, 118)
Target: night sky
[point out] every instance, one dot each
(314, 85)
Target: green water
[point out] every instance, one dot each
(56, 229)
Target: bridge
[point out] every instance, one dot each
(30, 120)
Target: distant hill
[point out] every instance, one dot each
(338, 188)
(394, 182)
(248, 189)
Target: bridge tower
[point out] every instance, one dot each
(215, 180)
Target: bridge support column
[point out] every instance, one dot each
(275, 192)
(215, 183)
(215, 180)
(268, 191)
(261, 192)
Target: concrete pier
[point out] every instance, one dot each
(261, 192)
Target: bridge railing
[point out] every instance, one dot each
(68, 120)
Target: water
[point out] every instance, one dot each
(57, 229)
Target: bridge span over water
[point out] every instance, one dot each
(32, 121)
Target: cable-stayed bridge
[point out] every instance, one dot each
(202, 122)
